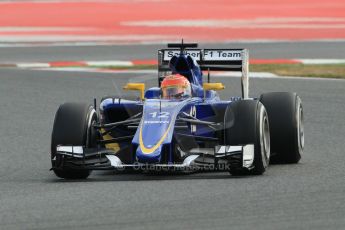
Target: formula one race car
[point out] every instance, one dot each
(182, 124)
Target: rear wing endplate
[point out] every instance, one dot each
(211, 59)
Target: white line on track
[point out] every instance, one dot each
(33, 65)
(321, 61)
(109, 63)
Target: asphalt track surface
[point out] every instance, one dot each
(308, 195)
(269, 50)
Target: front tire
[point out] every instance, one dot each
(72, 126)
(246, 122)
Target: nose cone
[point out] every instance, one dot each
(156, 129)
(152, 136)
(154, 157)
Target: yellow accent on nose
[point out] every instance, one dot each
(155, 147)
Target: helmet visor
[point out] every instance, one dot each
(173, 92)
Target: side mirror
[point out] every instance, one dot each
(213, 86)
(136, 86)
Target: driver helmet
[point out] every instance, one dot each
(175, 86)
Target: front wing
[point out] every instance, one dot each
(221, 158)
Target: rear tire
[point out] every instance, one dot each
(72, 126)
(285, 113)
(246, 122)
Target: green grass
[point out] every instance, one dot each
(301, 70)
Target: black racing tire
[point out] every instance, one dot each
(72, 126)
(246, 122)
(285, 113)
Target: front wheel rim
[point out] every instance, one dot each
(300, 128)
(265, 139)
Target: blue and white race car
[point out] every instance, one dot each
(181, 127)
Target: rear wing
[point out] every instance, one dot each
(210, 59)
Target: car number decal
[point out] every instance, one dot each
(160, 114)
